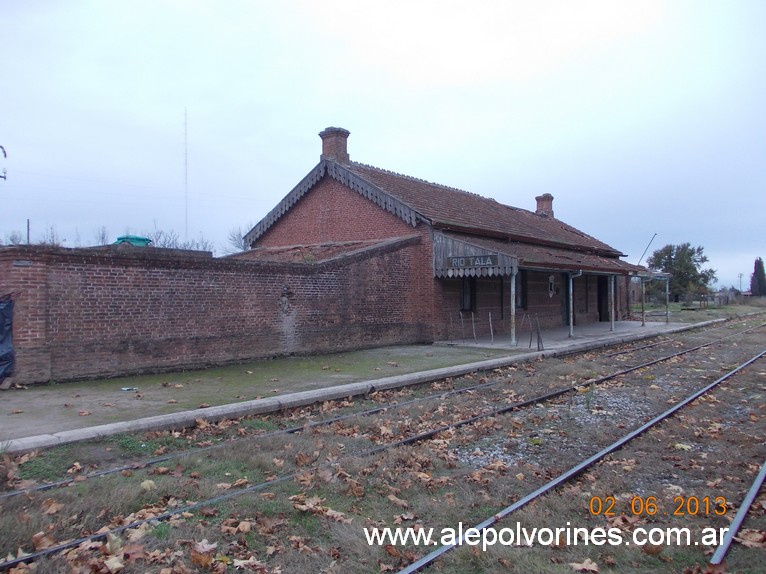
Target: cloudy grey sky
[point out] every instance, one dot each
(639, 117)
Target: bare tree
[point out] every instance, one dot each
(235, 241)
(164, 239)
(13, 238)
(200, 244)
(171, 240)
(50, 237)
(102, 236)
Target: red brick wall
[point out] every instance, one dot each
(83, 313)
(333, 212)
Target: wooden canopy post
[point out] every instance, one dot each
(514, 271)
(611, 302)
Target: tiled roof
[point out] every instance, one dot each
(456, 210)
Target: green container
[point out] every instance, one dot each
(133, 240)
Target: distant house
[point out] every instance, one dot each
(481, 265)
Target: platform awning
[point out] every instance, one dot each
(549, 258)
(455, 257)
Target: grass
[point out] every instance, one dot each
(140, 445)
(683, 313)
(261, 377)
(260, 424)
(73, 405)
(49, 467)
(161, 531)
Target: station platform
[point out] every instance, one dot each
(49, 415)
(559, 338)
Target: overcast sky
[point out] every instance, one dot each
(198, 117)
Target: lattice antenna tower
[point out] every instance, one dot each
(5, 155)
(186, 179)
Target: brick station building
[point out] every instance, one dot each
(354, 256)
(480, 267)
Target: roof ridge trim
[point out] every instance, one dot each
(287, 202)
(374, 194)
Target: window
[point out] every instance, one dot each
(521, 289)
(468, 294)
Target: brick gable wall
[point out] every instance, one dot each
(330, 211)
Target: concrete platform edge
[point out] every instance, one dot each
(263, 406)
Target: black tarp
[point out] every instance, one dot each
(6, 339)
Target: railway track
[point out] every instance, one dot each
(576, 470)
(358, 438)
(641, 361)
(392, 403)
(153, 461)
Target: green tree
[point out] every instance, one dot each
(758, 279)
(684, 263)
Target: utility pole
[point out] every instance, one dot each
(5, 155)
(647, 249)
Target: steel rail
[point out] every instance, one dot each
(195, 451)
(574, 471)
(723, 548)
(634, 349)
(207, 502)
(254, 488)
(369, 412)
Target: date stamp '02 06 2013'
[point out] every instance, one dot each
(650, 506)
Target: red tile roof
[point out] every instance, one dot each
(537, 241)
(455, 210)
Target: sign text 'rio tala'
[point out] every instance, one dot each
(473, 261)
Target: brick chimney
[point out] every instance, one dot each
(544, 205)
(334, 144)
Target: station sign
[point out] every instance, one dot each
(472, 261)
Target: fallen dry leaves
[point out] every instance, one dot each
(751, 538)
(314, 505)
(402, 481)
(586, 565)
